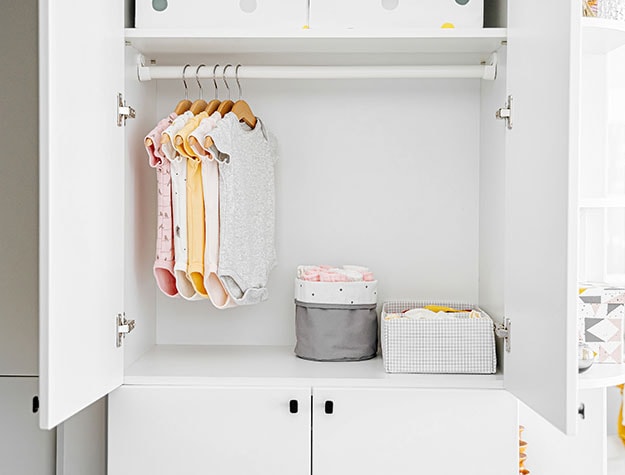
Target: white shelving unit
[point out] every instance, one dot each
(601, 36)
(191, 365)
(161, 41)
(602, 375)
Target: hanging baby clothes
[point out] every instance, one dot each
(179, 205)
(164, 262)
(195, 205)
(210, 180)
(247, 252)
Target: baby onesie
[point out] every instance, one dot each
(179, 205)
(195, 206)
(210, 181)
(247, 252)
(164, 262)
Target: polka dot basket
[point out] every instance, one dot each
(393, 14)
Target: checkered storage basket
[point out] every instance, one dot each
(451, 345)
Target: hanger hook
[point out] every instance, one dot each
(184, 81)
(214, 79)
(224, 78)
(236, 75)
(199, 84)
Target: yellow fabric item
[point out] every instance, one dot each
(441, 308)
(196, 231)
(621, 427)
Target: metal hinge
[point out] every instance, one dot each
(123, 111)
(124, 327)
(502, 330)
(505, 113)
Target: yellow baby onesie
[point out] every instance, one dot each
(620, 426)
(195, 205)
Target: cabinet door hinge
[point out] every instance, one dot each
(505, 113)
(123, 111)
(502, 330)
(124, 327)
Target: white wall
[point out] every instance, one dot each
(359, 160)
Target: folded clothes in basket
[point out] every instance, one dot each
(323, 273)
(434, 312)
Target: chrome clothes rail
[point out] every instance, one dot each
(481, 71)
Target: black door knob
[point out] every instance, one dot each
(329, 407)
(293, 406)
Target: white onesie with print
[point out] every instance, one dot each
(179, 206)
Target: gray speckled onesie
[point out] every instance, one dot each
(247, 251)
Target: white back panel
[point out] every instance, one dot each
(541, 207)
(81, 204)
(377, 173)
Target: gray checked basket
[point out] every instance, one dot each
(458, 344)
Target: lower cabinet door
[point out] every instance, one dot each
(25, 449)
(204, 430)
(407, 431)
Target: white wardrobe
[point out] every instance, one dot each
(415, 178)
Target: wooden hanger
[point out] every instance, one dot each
(241, 108)
(214, 104)
(199, 105)
(244, 112)
(225, 106)
(184, 105)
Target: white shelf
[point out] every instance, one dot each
(602, 36)
(602, 375)
(188, 365)
(602, 202)
(161, 41)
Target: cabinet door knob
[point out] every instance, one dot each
(293, 406)
(329, 407)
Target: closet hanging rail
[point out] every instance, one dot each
(482, 71)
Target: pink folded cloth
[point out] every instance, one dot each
(311, 276)
(324, 273)
(368, 276)
(332, 277)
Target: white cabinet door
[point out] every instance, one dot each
(406, 432)
(25, 449)
(227, 431)
(81, 60)
(541, 206)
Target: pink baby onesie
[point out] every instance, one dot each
(210, 180)
(164, 262)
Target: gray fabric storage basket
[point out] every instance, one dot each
(334, 332)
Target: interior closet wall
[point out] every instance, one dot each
(361, 161)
